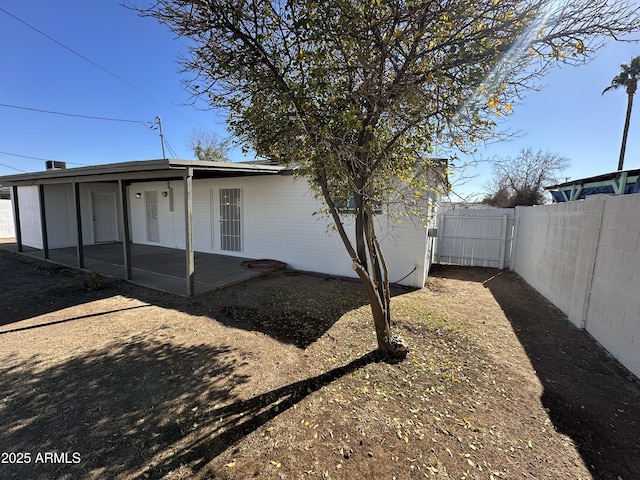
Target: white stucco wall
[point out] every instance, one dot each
(584, 257)
(278, 222)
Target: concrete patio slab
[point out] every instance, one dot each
(155, 267)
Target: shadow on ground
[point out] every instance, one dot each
(279, 308)
(589, 396)
(112, 406)
(275, 306)
(223, 427)
(143, 407)
(111, 411)
(32, 287)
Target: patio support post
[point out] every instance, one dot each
(126, 231)
(16, 217)
(43, 223)
(188, 227)
(79, 242)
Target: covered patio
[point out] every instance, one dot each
(155, 267)
(151, 265)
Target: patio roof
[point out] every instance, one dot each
(142, 170)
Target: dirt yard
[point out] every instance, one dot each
(277, 378)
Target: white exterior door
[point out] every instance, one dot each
(230, 220)
(151, 211)
(103, 205)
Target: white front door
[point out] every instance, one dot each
(104, 216)
(151, 210)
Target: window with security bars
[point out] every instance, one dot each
(230, 220)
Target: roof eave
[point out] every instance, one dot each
(163, 168)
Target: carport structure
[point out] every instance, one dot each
(117, 177)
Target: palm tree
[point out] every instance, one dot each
(628, 79)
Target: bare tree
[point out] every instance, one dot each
(520, 180)
(207, 148)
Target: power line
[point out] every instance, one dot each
(117, 77)
(79, 55)
(39, 158)
(171, 151)
(146, 124)
(9, 166)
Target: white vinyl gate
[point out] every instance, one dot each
(475, 237)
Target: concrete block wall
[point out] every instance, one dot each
(584, 257)
(613, 313)
(547, 242)
(7, 229)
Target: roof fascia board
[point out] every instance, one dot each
(104, 177)
(148, 169)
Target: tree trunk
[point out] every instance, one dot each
(372, 274)
(625, 132)
(388, 344)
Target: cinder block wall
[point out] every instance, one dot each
(584, 257)
(6, 219)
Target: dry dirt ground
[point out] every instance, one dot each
(278, 378)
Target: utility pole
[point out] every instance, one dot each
(159, 122)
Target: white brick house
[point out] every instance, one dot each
(238, 209)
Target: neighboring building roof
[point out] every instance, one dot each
(614, 183)
(141, 170)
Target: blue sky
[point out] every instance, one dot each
(569, 116)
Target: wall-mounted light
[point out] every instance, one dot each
(165, 194)
(138, 195)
